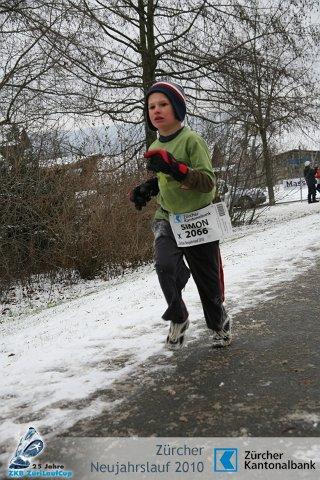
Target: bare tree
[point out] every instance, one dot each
(112, 53)
(106, 54)
(97, 58)
(28, 71)
(270, 84)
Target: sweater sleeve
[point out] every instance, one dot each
(199, 181)
(200, 176)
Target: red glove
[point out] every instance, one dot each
(159, 160)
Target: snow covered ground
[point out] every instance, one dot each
(62, 347)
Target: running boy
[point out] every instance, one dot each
(184, 182)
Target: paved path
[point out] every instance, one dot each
(265, 384)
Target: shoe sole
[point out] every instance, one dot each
(222, 344)
(176, 346)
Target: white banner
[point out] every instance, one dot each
(187, 458)
(294, 182)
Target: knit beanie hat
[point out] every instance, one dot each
(175, 95)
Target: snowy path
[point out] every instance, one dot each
(67, 352)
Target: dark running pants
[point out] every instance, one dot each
(205, 265)
(312, 193)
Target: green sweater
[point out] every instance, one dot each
(190, 148)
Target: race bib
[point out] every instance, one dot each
(208, 224)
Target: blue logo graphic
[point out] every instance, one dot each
(225, 460)
(30, 446)
(178, 219)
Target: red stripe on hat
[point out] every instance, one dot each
(171, 87)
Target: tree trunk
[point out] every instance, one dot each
(268, 166)
(148, 54)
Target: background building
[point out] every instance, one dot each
(290, 164)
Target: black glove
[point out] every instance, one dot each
(159, 160)
(141, 194)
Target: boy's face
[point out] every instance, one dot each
(161, 114)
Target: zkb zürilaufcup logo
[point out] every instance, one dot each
(30, 446)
